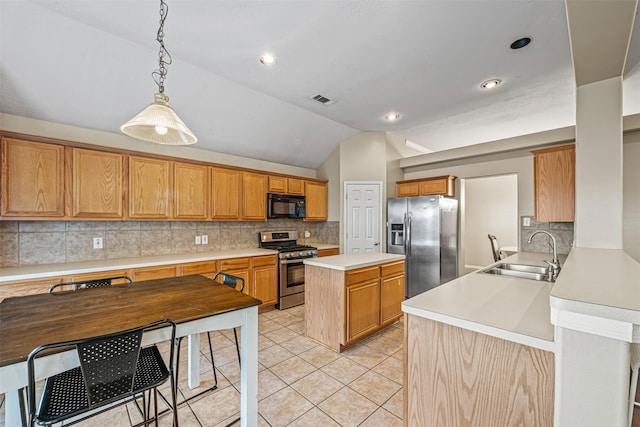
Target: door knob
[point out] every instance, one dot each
(376, 243)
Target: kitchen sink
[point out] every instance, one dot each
(522, 271)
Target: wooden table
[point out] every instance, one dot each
(195, 303)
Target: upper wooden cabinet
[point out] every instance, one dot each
(150, 188)
(254, 196)
(191, 191)
(225, 193)
(554, 183)
(440, 185)
(96, 184)
(44, 178)
(284, 185)
(316, 201)
(32, 182)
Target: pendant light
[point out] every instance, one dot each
(158, 122)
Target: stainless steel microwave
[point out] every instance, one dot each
(285, 206)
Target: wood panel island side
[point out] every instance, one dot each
(352, 296)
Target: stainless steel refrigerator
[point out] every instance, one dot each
(425, 230)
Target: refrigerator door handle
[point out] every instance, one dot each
(409, 236)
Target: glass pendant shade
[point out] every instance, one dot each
(160, 124)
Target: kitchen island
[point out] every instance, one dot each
(495, 350)
(352, 296)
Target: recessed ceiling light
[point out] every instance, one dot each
(392, 117)
(520, 43)
(268, 59)
(490, 84)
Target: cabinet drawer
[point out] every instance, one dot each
(234, 264)
(328, 252)
(207, 268)
(100, 275)
(263, 261)
(150, 273)
(363, 275)
(393, 269)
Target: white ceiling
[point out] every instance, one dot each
(89, 64)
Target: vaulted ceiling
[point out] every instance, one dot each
(89, 64)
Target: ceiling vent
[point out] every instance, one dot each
(323, 99)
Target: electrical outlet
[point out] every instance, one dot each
(307, 233)
(526, 221)
(97, 243)
(198, 240)
(205, 239)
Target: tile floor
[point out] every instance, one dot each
(300, 383)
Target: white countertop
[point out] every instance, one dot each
(599, 282)
(346, 262)
(9, 274)
(504, 307)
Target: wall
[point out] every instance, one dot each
(45, 242)
(631, 196)
(330, 170)
(473, 168)
(72, 133)
(491, 207)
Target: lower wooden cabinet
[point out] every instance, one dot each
(363, 309)
(264, 283)
(260, 274)
(328, 252)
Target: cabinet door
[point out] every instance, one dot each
(225, 193)
(316, 201)
(392, 295)
(149, 188)
(97, 184)
(265, 280)
(191, 191)
(32, 179)
(554, 180)
(434, 187)
(407, 189)
(295, 186)
(363, 309)
(254, 196)
(277, 184)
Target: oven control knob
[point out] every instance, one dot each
(287, 255)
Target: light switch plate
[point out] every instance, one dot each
(526, 221)
(205, 239)
(198, 240)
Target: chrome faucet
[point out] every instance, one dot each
(554, 265)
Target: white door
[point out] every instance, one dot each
(363, 217)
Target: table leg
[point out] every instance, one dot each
(249, 369)
(12, 409)
(194, 360)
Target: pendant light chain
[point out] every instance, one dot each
(161, 73)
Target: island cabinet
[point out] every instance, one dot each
(554, 183)
(344, 305)
(32, 179)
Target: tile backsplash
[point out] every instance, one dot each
(45, 242)
(562, 231)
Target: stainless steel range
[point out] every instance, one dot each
(291, 257)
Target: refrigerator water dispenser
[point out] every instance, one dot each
(397, 234)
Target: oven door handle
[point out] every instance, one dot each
(294, 261)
